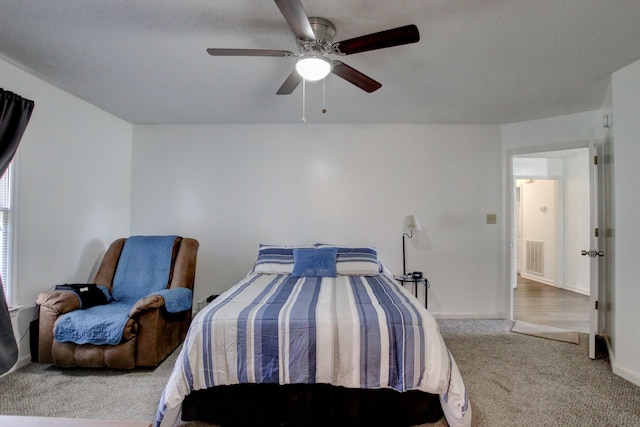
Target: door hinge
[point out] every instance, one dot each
(596, 232)
(595, 160)
(596, 304)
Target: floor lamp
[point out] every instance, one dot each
(411, 224)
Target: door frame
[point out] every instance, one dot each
(510, 232)
(597, 218)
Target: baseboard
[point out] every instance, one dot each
(538, 279)
(576, 290)
(470, 316)
(632, 377)
(23, 361)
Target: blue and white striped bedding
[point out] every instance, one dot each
(273, 259)
(351, 331)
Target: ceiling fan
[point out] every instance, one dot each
(314, 39)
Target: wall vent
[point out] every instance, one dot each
(535, 257)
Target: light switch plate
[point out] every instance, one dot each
(492, 218)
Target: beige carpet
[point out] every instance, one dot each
(513, 380)
(547, 332)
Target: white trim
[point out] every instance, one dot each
(471, 316)
(632, 377)
(576, 289)
(13, 229)
(540, 279)
(23, 361)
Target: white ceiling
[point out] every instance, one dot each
(478, 61)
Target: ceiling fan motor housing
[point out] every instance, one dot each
(324, 31)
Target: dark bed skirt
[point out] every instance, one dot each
(309, 405)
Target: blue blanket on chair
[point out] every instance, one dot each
(143, 269)
(102, 324)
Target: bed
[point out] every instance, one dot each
(315, 335)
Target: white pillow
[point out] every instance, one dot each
(274, 259)
(361, 261)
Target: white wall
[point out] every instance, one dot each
(626, 152)
(234, 187)
(539, 223)
(73, 195)
(553, 133)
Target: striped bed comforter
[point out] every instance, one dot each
(350, 331)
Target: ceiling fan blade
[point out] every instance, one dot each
(355, 77)
(388, 38)
(297, 19)
(248, 52)
(290, 84)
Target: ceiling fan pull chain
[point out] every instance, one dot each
(324, 103)
(304, 93)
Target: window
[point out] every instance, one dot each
(5, 212)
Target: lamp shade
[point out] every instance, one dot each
(411, 223)
(313, 67)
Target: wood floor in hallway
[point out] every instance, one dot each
(536, 302)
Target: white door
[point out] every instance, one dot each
(594, 252)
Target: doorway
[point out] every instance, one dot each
(550, 279)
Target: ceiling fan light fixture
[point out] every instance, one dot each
(313, 68)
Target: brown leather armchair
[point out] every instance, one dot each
(150, 334)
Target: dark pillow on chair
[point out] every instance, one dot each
(90, 294)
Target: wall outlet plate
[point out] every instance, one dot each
(492, 219)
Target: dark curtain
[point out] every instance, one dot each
(14, 116)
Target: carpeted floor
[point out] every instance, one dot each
(512, 379)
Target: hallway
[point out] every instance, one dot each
(536, 302)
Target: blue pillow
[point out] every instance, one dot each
(319, 262)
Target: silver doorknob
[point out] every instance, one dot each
(592, 253)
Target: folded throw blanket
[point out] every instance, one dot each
(102, 324)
